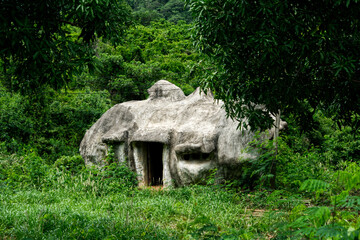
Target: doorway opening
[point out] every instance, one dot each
(154, 162)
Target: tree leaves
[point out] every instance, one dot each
(294, 53)
(38, 44)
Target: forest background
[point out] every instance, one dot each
(46, 191)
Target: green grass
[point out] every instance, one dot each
(196, 212)
(39, 201)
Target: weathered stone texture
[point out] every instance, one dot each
(194, 133)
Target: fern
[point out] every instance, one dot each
(350, 177)
(314, 223)
(336, 199)
(314, 185)
(315, 216)
(331, 231)
(307, 231)
(321, 216)
(350, 202)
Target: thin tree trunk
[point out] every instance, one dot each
(276, 145)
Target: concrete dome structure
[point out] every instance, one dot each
(169, 138)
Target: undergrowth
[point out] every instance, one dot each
(67, 200)
(315, 199)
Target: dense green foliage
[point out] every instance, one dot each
(296, 56)
(68, 200)
(46, 191)
(55, 125)
(39, 46)
(162, 50)
(54, 129)
(151, 10)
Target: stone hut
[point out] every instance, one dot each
(169, 138)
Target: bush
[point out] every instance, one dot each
(338, 221)
(73, 164)
(293, 165)
(15, 123)
(342, 145)
(115, 175)
(118, 176)
(23, 171)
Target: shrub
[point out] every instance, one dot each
(15, 124)
(73, 164)
(338, 221)
(342, 145)
(118, 176)
(23, 171)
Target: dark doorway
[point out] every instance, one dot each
(154, 164)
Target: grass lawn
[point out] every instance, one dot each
(197, 212)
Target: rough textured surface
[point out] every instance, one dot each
(169, 138)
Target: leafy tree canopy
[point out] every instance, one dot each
(162, 50)
(146, 11)
(296, 56)
(37, 47)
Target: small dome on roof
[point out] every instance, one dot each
(165, 90)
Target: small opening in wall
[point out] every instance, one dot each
(154, 164)
(195, 156)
